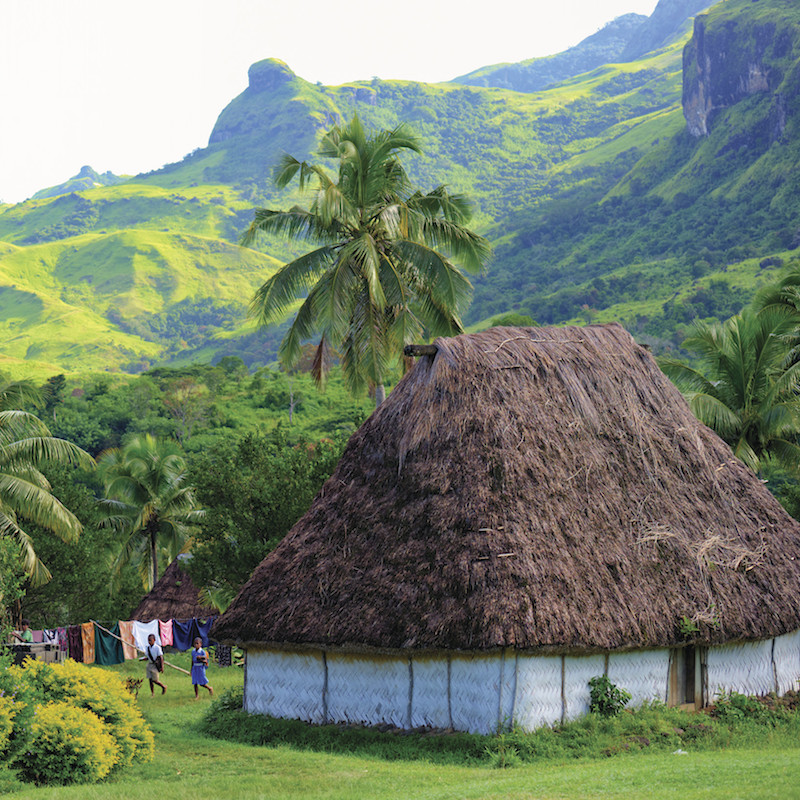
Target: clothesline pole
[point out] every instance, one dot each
(136, 647)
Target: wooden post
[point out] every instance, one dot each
(417, 350)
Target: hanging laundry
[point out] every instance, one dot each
(38, 637)
(108, 648)
(128, 645)
(141, 630)
(50, 636)
(201, 628)
(165, 628)
(75, 641)
(87, 636)
(182, 634)
(63, 641)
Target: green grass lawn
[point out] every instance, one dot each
(189, 765)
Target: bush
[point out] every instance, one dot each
(68, 745)
(100, 692)
(36, 687)
(606, 698)
(8, 710)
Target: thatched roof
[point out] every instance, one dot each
(538, 488)
(173, 597)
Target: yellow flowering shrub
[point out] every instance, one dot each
(95, 691)
(68, 745)
(8, 710)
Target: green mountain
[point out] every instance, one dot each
(87, 178)
(625, 38)
(686, 230)
(651, 191)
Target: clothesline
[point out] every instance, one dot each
(124, 642)
(113, 643)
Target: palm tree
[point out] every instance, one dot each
(148, 500)
(379, 275)
(749, 394)
(26, 447)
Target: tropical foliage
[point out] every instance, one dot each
(253, 490)
(149, 501)
(26, 448)
(748, 391)
(381, 273)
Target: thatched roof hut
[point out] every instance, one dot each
(541, 489)
(174, 596)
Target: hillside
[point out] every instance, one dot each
(496, 145)
(625, 38)
(657, 246)
(87, 178)
(128, 298)
(648, 191)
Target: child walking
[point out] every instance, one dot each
(199, 664)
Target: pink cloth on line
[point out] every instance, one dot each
(38, 636)
(165, 630)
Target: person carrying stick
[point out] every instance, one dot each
(155, 664)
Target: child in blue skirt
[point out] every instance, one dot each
(199, 664)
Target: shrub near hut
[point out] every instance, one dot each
(69, 723)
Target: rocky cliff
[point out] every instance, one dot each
(739, 50)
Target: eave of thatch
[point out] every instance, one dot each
(174, 596)
(545, 489)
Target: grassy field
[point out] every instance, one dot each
(189, 765)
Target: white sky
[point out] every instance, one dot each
(128, 87)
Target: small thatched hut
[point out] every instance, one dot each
(174, 596)
(528, 509)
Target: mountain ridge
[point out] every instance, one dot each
(624, 39)
(600, 202)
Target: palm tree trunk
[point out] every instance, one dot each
(153, 559)
(380, 394)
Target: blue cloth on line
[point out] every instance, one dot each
(182, 634)
(201, 628)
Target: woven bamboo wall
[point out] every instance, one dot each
(577, 672)
(787, 661)
(644, 673)
(746, 667)
(483, 693)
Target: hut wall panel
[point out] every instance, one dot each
(429, 701)
(539, 699)
(509, 668)
(787, 661)
(285, 684)
(370, 690)
(745, 667)
(577, 672)
(475, 692)
(643, 673)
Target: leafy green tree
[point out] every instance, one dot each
(26, 448)
(149, 500)
(82, 570)
(53, 392)
(379, 276)
(748, 392)
(253, 490)
(12, 580)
